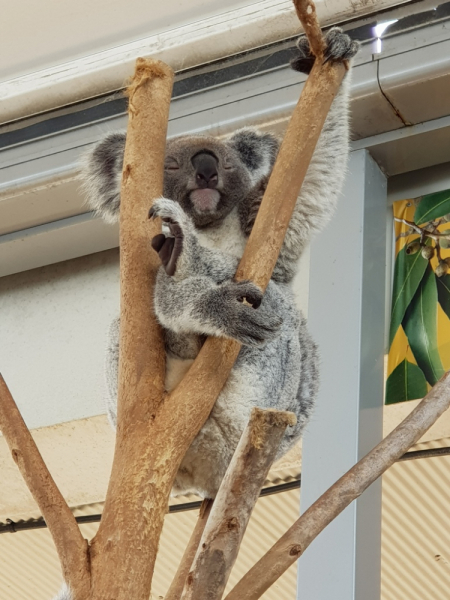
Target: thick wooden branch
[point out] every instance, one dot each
(238, 493)
(176, 587)
(142, 353)
(192, 401)
(294, 156)
(349, 487)
(124, 550)
(72, 548)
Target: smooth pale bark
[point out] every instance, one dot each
(176, 587)
(237, 496)
(349, 487)
(72, 548)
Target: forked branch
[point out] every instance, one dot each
(154, 431)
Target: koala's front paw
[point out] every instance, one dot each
(339, 47)
(169, 247)
(250, 325)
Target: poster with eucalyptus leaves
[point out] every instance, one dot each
(419, 337)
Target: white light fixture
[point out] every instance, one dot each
(378, 31)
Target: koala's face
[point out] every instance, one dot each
(209, 177)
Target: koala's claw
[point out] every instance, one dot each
(339, 47)
(250, 292)
(256, 327)
(242, 322)
(169, 248)
(168, 210)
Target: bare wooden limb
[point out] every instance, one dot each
(306, 12)
(127, 540)
(72, 548)
(349, 487)
(294, 156)
(234, 504)
(176, 587)
(193, 399)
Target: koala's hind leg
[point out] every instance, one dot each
(325, 176)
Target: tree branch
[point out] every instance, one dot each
(177, 585)
(434, 235)
(154, 430)
(234, 504)
(306, 12)
(191, 402)
(124, 550)
(349, 487)
(72, 548)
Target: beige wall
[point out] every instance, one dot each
(53, 324)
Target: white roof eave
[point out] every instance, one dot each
(182, 47)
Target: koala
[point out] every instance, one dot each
(212, 192)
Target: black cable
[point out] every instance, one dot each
(428, 453)
(12, 527)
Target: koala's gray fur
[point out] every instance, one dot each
(196, 295)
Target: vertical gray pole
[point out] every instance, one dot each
(346, 317)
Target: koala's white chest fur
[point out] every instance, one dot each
(227, 238)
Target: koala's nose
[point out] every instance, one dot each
(205, 166)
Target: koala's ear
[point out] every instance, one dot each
(257, 150)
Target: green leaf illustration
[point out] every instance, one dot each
(432, 206)
(443, 288)
(406, 382)
(408, 273)
(420, 325)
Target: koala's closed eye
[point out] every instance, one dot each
(171, 164)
